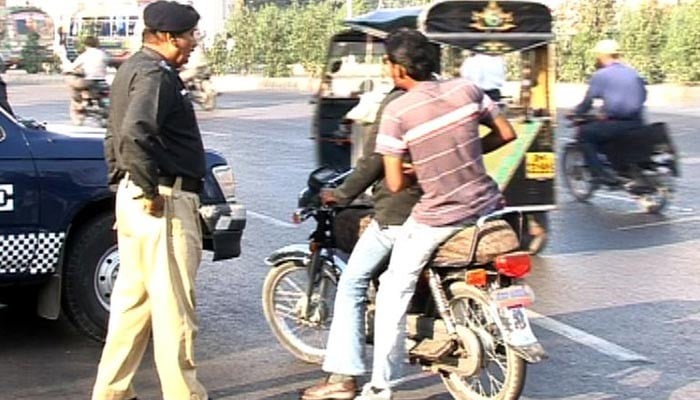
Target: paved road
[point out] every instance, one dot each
(618, 293)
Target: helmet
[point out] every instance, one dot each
(606, 47)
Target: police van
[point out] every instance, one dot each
(58, 248)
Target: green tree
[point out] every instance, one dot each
(272, 33)
(312, 28)
(643, 37)
(33, 54)
(236, 49)
(681, 55)
(579, 24)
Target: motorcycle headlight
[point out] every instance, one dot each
(226, 181)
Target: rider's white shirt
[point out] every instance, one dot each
(487, 72)
(92, 62)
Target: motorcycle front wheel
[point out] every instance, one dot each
(284, 301)
(501, 374)
(577, 175)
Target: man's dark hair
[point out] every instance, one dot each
(412, 50)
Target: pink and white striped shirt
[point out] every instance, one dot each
(437, 124)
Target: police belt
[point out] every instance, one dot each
(187, 184)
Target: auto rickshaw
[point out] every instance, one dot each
(352, 88)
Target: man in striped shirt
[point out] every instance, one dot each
(436, 123)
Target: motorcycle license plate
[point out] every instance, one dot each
(516, 327)
(539, 165)
(512, 296)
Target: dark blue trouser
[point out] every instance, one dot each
(595, 134)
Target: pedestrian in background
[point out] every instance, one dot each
(154, 152)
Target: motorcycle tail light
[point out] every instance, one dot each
(476, 277)
(514, 265)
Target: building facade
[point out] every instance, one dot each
(214, 12)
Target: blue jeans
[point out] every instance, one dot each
(345, 348)
(412, 251)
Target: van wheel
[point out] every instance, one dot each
(90, 270)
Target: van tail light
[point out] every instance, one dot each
(514, 265)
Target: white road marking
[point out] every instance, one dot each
(272, 220)
(600, 345)
(690, 160)
(660, 223)
(629, 199)
(217, 134)
(572, 254)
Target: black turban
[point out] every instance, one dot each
(170, 16)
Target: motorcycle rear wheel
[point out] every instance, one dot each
(501, 375)
(577, 175)
(656, 202)
(284, 296)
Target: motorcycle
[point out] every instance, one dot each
(467, 319)
(643, 163)
(200, 87)
(89, 102)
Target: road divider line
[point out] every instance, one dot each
(660, 223)
(577, 335)
(272, 220)
(629, 200)
(218, 134)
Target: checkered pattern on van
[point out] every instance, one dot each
(36, 253)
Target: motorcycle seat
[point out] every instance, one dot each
(637, 146)
(496, 237)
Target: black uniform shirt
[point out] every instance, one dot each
(152, 128)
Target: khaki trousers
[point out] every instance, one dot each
(154, 294)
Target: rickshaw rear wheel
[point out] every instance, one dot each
(535, 232)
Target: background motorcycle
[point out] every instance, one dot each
(467, 318)
(644, 161)
(93, 102)
(198, 83)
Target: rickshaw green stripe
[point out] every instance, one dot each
(510, 163)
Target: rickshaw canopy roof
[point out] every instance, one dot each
(491, 27)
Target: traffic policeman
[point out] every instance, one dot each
(154, 153)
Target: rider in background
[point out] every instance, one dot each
(89, 68)
(197, 63)
(623, 93)
(488, 72)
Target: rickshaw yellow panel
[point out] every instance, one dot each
(539, 165)
(502, 163)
